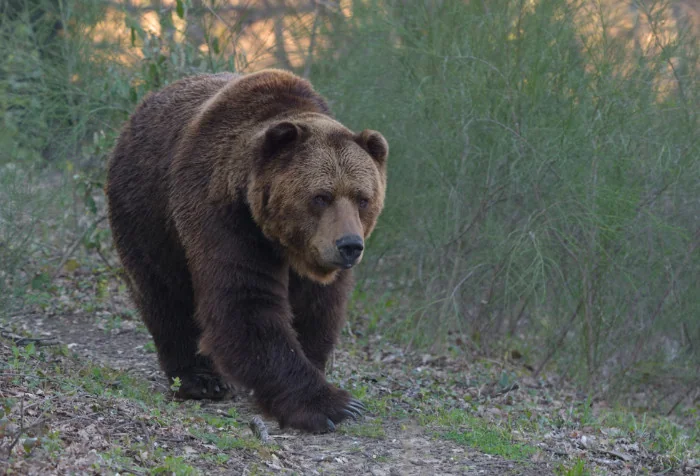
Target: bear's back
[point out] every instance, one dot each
(138, 168)
(158, 122)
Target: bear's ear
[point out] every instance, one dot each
(375, 144)
(279, 136)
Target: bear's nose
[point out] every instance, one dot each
(350, 248)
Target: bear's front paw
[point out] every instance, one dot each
(320, 411)
(198, 384)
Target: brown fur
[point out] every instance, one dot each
(230, 198)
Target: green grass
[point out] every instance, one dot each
(366, 429)
(478, 433)
(577, 469)
(174, 465)
(491, 442)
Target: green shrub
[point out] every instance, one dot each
(543, 179)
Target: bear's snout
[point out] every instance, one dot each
(350, 249)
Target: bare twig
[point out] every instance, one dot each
(562, 336)
(104, 258)
(244, 10)
(675, 405)
(21, 427)
(19, 340)
(280, 51)
(69, 252)
(617, 454)
(146, 432)
(312, 39)
(505, 390)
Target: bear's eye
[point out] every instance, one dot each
(323, 200)
(363, 203)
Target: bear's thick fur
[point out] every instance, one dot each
(238, 206)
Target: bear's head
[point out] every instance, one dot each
(317, 189)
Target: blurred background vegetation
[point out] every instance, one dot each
(544, 191)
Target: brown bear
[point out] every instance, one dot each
(238, 206)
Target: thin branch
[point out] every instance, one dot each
(559, 342)
(21, 428)
(19, 340)
(69, 252)
(247, 13)
(312, 39)
(104, 258)
(280, 52)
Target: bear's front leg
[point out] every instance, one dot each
(319, 313)
(240, 283)
(248, 335)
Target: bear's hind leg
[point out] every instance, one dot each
(164, 297)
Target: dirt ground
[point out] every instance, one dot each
(98, 404)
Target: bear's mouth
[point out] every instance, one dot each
(336, 265)
(323, 263)
(341, 263)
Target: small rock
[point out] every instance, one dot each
(587, 442)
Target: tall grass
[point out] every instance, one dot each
(543, 191)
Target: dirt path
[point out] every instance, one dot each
(377, 445)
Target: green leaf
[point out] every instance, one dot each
(71, 265)
(180, 9)
(41, 281)
(90, 203)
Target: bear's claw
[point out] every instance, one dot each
(349, 414)
(319, 414)
(357, 406)
(354, 409)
